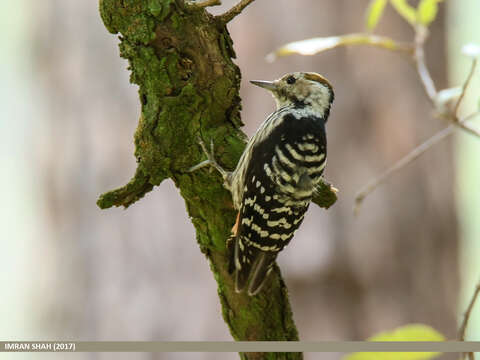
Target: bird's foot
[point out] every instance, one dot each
(211, 161)
(332, 188)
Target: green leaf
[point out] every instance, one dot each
(316, 45)
(411, 332)
(427, 11)
(374, 13)
(405, 10)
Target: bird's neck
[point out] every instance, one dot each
(301, 109)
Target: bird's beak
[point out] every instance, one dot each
(269, 85)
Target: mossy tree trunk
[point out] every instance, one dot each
(181, 58)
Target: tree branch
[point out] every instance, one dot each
(234, 11)
(204, 4)
(320, 44)
(128, 194)
(188, 84)
(421, 35)
(407, 159)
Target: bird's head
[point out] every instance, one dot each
(301, 89)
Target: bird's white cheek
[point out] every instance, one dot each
(280, 102)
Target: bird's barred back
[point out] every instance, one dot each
(240, 172)
(277, 189)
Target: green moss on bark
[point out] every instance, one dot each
(181, 58)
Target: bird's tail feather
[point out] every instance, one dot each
(243, 261)
(252, 267)
(263, 268)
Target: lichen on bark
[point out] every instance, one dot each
(180, 56)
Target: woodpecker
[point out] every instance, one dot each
(277, 174)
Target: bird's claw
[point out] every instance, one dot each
(212, 162)
(330, 186)
(210, 157)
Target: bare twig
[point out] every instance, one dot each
(465, 86)
(411, 156)
(234, 11)
(429, 86)
(421, 36)
(466, 317)
(467, 128)
(320, 44)
(424, 74)
(205, 3)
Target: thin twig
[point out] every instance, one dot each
(466, 316)
(429, 86)
(205, 3)
(411, 156)
(421, 36)
(425, 76)
(467, 128)
(234, 11)
(316, 45)
(431, 92)
(465, 86)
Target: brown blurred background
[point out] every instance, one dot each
(75, 272)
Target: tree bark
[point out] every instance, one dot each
(181, 58)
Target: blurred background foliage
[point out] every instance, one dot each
(71, 271)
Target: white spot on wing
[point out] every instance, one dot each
(267, 169)
(259, 230)
(246, 221)
(258, 209)
(282, 210)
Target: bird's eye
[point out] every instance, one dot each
(291, 80)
